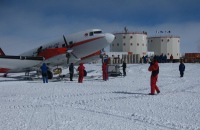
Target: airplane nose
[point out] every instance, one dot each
(109, 37)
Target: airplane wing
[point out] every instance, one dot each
(14, 64)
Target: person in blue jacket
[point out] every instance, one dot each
(44, 73)
(161, 58)
(181, 68)
(165, 58)
(145, 59)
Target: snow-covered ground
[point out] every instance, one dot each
(122, 103)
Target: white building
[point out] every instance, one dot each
(134, 43)
(168, 45)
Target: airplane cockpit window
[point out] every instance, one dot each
(63, 45)
(71, 42)
(97, 32)
(91, 33)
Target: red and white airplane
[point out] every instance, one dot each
(79, 47)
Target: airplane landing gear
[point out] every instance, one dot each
(5, 75)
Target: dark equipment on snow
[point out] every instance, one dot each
(114, 70)
(85, 72)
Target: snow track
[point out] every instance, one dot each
(117, 104)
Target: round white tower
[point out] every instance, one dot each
(167, 45)
(136, 43)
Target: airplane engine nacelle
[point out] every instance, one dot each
(57, 71)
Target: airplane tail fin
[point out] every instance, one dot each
(1, 52)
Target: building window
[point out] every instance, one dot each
(142, 44)
(168, 54)
(131, 44)
(162, 40)
(124, 37)
(131, 37)
(168, 40)
(177, 54)
(178, 40)
(112, 44)
(138, 44)
(124, 44)
(151, 40)
(117, 44)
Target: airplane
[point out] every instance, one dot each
(84, 46)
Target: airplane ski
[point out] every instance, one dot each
(14, 64)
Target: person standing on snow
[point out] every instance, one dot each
(44, 73)
(154, 76)
(81, 73)
(165, 58)
(171, 58)
(71, 71)
(124, 68)
(105, 71)
(181, 68)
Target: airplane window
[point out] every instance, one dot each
(63, 45)
(91, 33)
(71, 42)
(97, 32)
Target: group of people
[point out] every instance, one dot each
(81, 69)
(154, 68)
(160, 58)
(105, 70)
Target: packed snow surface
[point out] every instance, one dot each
(121, 103)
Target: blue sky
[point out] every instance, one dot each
(26, 24)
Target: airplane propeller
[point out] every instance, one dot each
(69, 50)
(65, 41)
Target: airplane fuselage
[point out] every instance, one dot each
(85, 46)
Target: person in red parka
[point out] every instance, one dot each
(171, 58)
(105, 73)
(154, 76)
(81, 73)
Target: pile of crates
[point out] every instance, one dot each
(192, 57)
